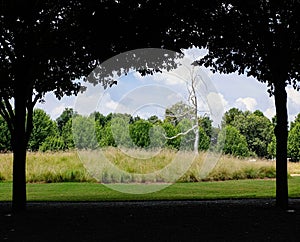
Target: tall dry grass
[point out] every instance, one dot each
(6, 167)
(229, 168)
(48, 167)
(294, 168)
(112, 165)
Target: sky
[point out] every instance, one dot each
(151, 95)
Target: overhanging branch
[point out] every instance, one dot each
(29, 125)
(7, 113)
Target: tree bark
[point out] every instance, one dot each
(281, 132)
(196, 142)
(194, 100)
(19, 152)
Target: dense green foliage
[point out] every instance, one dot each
(43, 128)
(293, 142)
(297, 120)
(272, 147)
(255, 127)
(231, 141)
(243, 133)
(84, 132)
(52, 143)
(4, 136)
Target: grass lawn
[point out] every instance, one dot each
(178, 191)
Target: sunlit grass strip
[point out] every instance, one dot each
(178, 191)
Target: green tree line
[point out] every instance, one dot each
(242, 133)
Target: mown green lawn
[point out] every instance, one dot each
(178, 191)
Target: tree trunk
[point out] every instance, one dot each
(281, 132)
(194, 101)
(196, 142)
(19, 153)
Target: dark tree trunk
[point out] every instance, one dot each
(281, 132)
(19, 153)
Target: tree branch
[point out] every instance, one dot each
(5, 113)
(36, 98)
(9, 109)
(29, 124)
(181, 134)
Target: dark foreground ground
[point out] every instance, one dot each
(221, 220)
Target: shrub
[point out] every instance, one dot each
(221, 175)
(189, 176)
(251, 173)
(267, 172)
(232, 168)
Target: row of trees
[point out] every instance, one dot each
(72, 130)
(243, 134)
(252, 134)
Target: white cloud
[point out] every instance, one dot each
(217, 104)
(237, 91)
(111, 105)
(217, 99)
(293, 96)
(56, 112)
(86, 104)
(293, 103)
(149, 95)
(106, 104)
(270, 112)
(179, 76)
(55, 107)
(247, 103)
(172, 78)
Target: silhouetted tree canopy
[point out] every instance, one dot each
(260, 38)
(47, 45)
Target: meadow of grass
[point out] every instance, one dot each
(136, 166)
(47, 167)
(89, 192)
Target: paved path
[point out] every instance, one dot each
(220, 220)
